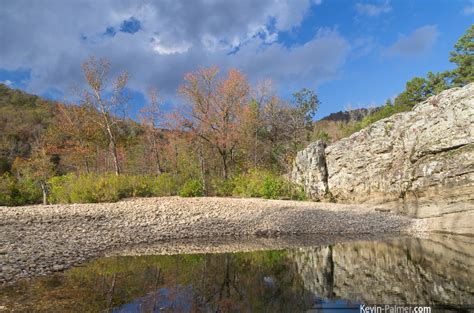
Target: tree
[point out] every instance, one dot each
(38, 168)
(108, 106)
(463, 56)
(415, 92)
(216, 110)
(152, 119)
(305, 104)
(252, 127)
(437, 82)
(76, 134)
(277, 134)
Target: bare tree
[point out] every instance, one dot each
(152, 119)
(107, 102)
(262, 95)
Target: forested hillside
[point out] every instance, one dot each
(23, 118)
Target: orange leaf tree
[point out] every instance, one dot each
(216, 110)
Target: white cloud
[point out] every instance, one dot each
(415, 44)
(175, 37)
(7, 82)
(171, 48)
(373, 9)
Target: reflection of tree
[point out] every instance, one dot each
(111, 293)
(156, 295)
(226, 300)
(219, 283)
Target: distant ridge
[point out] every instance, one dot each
(346, 116)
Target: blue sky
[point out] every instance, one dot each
(353, 53)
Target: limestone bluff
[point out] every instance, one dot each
(419, 163)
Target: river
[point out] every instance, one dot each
(435, 271)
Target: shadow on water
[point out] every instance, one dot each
(435, 271)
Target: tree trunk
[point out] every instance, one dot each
(44, 189)
(113, 146)
(86, 164)
(156, 153)
(176, 158)
(111, 294)
(115, 155)
(202, 168)
(159, 170)
(255, 149)
(224, 166)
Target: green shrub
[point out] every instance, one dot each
(222, 187)
(165, 185)
(90, 188)
(8, 190)
(249, 184)
(18, 192)
(272, 187)
(81, 188)
(265, 184)
(135, 186)
(297, 193)
(192, 188)
(29, 191)
(57, 190)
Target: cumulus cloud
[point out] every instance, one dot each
(373, 9)
(415, 44)
(158, 42)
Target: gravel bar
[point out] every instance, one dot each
(39, 240)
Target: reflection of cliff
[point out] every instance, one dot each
(419, 271)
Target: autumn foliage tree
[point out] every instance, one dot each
(108, 102)
(76, 136)
(41, 165)
(217, 106)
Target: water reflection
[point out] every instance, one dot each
(434, 271)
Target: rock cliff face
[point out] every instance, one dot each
(310, 170)
(419, 163)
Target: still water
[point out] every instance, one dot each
(437, 271)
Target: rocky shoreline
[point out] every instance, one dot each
(39, 240)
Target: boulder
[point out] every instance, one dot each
(310, 171)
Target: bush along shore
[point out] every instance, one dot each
(38, 240)
(93, 188)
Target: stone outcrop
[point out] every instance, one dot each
(419, 163)
(310, 170)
